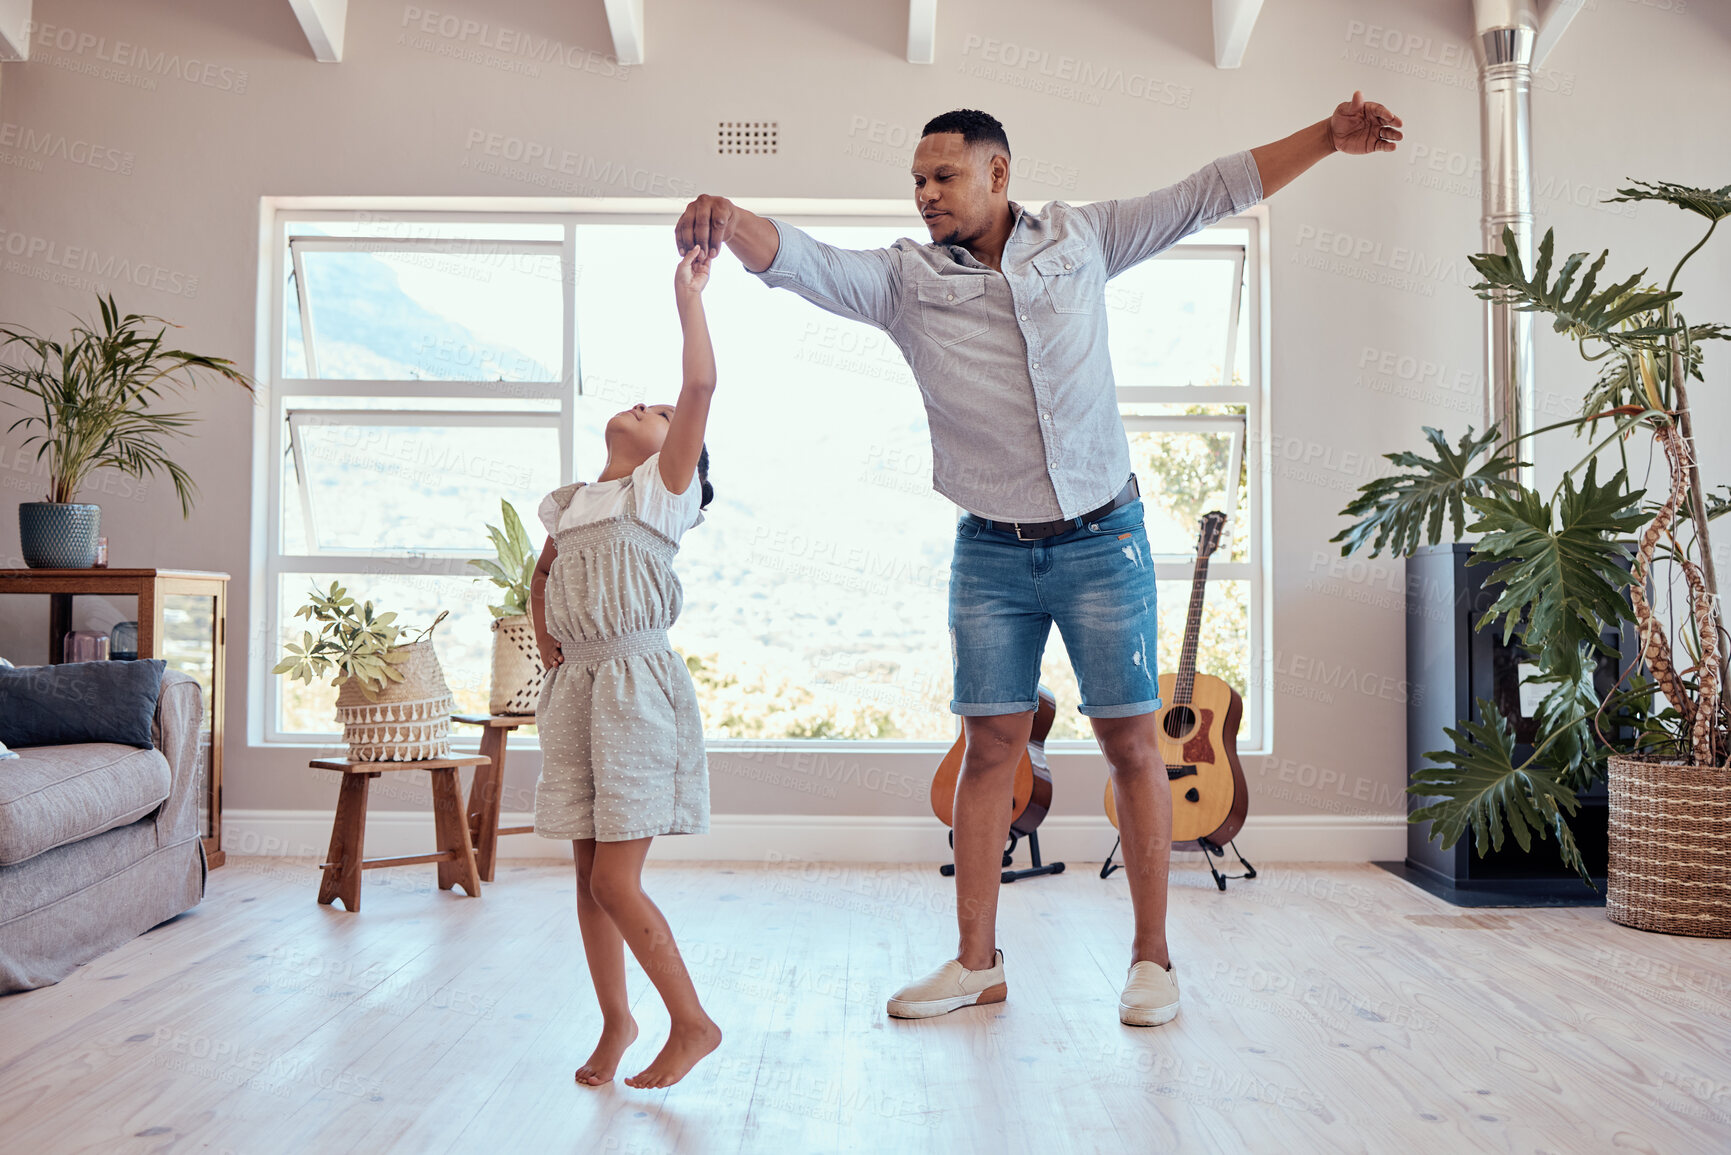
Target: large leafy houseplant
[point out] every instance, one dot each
(1565, 571)
(91, 398)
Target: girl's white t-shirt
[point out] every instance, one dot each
(641, 491)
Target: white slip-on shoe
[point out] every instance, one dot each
(1150, 996)
(949, 988)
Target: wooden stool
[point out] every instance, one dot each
(489, 784)
(455, 856)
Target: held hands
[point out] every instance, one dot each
(692, 274)
(1362, 126)
(707, 223)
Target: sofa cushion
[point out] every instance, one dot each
(79, 702)
(52, 795)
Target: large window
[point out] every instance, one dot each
(429, 366)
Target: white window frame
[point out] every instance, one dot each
(277, 426)
(1250, 447)
(270, 431)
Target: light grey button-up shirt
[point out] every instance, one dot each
(1013, 366)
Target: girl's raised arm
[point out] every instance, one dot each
(684, 443)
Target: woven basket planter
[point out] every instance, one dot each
(516, 667)
(1670, 863)
(408, 721)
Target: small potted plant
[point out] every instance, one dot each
(392, 699)
(91, 404)
(517, 672)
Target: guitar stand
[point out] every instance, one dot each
(1214, 849)
(1107, 867)
(948, 869)
(1208, 848)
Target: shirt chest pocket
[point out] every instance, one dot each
(1067, 279)
(953, 309)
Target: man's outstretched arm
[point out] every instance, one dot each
(712, 222)
(1358, 126)
(1133, 229)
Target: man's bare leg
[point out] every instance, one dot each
(982, 826)
(1144, 801)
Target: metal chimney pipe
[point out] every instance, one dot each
(1506, 31)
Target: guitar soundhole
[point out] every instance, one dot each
(1179, 721)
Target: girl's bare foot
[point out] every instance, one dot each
(601, 1065)
(685, 1046)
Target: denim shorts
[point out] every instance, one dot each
(1096, 582)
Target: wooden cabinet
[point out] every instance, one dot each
(182, 619)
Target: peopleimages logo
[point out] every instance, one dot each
(49, 260)
(556, 161)
(124, 54)
(59, 146)
(1064, 76)
(464, 33)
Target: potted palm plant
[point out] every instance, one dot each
(89, 404)
(1662, 736)
(392, 699)
(517, 673)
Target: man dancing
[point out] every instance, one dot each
(1002, 319)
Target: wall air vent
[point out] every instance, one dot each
(745, 137)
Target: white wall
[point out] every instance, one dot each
(1629, 93)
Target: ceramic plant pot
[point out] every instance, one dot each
(58, 535)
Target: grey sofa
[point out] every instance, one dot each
(98, 843)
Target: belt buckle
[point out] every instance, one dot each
(1019, 537)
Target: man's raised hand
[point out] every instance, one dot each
(1362, 126)
(707, 223)
(711, 223)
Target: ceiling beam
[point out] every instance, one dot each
(1233, 20)
(1552, 25)
(323, 22)
(14, 29)
(922, 31)
(625, 17)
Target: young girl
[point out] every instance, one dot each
(621, 737)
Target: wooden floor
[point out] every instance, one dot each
(1327, 1009)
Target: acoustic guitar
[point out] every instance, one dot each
(1030, 792)
(1198, 733)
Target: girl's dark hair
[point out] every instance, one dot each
(703, 478)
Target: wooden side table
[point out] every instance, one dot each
(488, 784)
(344, 863)
(206, 661)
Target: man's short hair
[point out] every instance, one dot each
(975, 126)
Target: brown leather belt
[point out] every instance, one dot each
(1033, 530)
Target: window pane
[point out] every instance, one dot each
(468, 315)
(371, 224)
(1168, 322)
(463, 641)
(383, 488)
(815, 593)
(1223, 649)
(1182, 475)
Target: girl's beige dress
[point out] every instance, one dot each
(621, 737)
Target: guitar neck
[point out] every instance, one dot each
(1186, 685)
